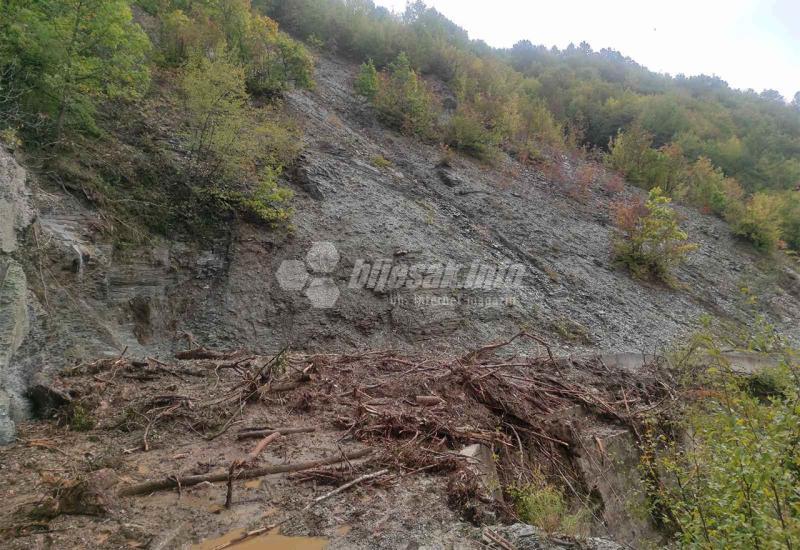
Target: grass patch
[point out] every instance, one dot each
(544, 506)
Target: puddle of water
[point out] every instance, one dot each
(265, 542)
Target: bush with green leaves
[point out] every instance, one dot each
(403, 100)
(706, 187)
(266, 203)
(467, 133)
(790, 218)
(366, 84)
(630, 153)
(544, 505)
(649, 240)
(70, 55)
(731, 479)
(273, 60)
(232, 144)
(759, 221)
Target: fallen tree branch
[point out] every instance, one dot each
(188, 481)
(429, 400)
(257, 450)
(341, 489)
(203, 353)
(236, 465)
(283, 431)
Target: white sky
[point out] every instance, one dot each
(748, 43)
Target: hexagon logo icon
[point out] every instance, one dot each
(310, 277)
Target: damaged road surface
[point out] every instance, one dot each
(363, 450)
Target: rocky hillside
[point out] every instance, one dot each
(368, 194)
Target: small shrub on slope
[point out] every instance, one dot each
(465, 132)
(366, 84)
(759, 221)
(649, 241)
(543, 505)
(403, 100)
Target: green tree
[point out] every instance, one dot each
(732, 480)
(182, 34)
(704, 187)
(273, 60)
(403, 100)
(236, 154)
(366, 83)
(77, 52)
(650, 242)
(216, 112)
(537, 125)
(759, 221)
(467, 133)
(630, 153)
(790, 218)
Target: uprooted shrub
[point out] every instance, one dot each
(649, 241)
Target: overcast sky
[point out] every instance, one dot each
(749, 43)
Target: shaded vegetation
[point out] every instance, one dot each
(730, 480)
(100, 102)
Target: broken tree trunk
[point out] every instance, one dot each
(172, 482)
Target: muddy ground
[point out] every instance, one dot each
(118, 422)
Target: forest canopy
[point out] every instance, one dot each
(729, 152)
(753, 137)
(719, 149)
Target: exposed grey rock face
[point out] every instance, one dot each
(416, 211)
(15, 216)
(15, 210)
(480, 460)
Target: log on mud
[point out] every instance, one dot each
(173, 482)
(249, 434)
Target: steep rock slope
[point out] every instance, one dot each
(86, 298)
(412, 210)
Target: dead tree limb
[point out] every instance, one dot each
(251, 434)
(188, 481)
(259, 448)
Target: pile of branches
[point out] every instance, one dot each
(209, 390)
(416, 413)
